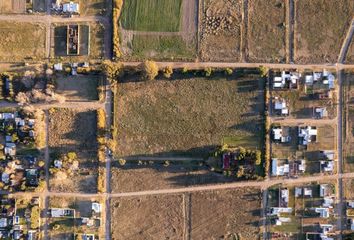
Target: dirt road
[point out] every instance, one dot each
(346, 43)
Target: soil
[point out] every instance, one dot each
(149, 217)
(220, 43)
(228, 214)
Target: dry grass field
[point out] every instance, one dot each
(348, 124)
(93, 7)
(320, 28)
(81, 87)
(150, 217)
(75, 131)
(189, 117)
(220, 43)
(12, 6)
(21, 41)
(266, 31)
(131, 177)
(350, 54)
(227, 214)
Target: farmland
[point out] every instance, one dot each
(150, 217)
(151, 15)
(190, 117)
(320, 28)
(266, 31)
(220, 41)
(73, 132)
(21, 41)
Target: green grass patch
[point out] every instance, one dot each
(151, 15)
(161, 47)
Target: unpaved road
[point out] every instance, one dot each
(346, 43)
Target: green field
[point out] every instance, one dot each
(161, 47)
(188, 117)
(151, 15)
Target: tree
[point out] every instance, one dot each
(228, 71)
(35, 217)
(41, 164)
(22, 98)
(185, 70)
(258, 157)
(208, 71)
(112, 69)
(72, 156)
(122, 161)
(263, 71)
(167, 72)
(240, 172)
(149, 70)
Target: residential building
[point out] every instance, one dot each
(307, 134)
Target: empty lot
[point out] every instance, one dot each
(189, 117)
(21, 41)
(266, 31)
(320, 29)
(12, 6)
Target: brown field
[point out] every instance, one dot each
(348, 187)
(222, 44)
(93, 7)
(151, 217)
(75, 131)
(266, 31)
(227, 214)
(132, 177)
(12, 6)
(21, 41)
(350, 54)
(80, 87)
(320, 29)
(348, 124)
(190, 117)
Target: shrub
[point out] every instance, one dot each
(72, 156)
(122, 161)
(117, 8)
(167, 72)
(149, 70)
(185, 70)
(228, 71)
(41, 164)
(263, 71)
(208, 71)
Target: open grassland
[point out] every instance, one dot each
(320, 29)
(133, 177)
(220, 42)
(227, 214)
(161, 47)
(21, 41)
(151, 15)
(149, 217)
(12, 6)
(266, 31)
(188, 117)
(93, 7)
(74, 131)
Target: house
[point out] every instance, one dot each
(327, 166)
(71, 7)
(281, 134)
(58, 163)
(10, 149)
(96, 207)
(281, 220)
(279, 210)
(58, 67)
(324, 212)
(297, 167)
(351, 223)
(62, 212)
(279, 168)
(328, 202)
(286, 80)
(327, 155)
(307, 135)
(85, 237)
(280, 107)
(284, 197)
(320, 112)
(3, 222)
(307, 192)
(298, 191)
(325, 190)
(32, 177)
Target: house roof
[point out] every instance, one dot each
(71, 7)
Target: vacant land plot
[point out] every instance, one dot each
(21, 41)
(160, 47)
(75, 131)
(348, 187)
(93, 7)
(220, 30)
(350, 54)
(189, 117)
(133, 177)
(266, 31)
(12, 6)
(348, 124)
(150, 217)
(320, 29)
(82, 87)
(151, 15)
(228, 214)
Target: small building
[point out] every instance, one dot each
(320, 112)
(281, 134)
(71, 8)
(298, 191)
(280, 107)
(279, 210)
(62, 212)
(96, 207)
(307, 134)
(286, 80)
(280, 167)
(325, 190)
(284, 197)
(58, 67)
(307, 192)
(324, 212)
(32, 177)
(3, 222)
(327, 166)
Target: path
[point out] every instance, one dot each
(176, 159)
(346, 43)
(306, 121)
(291, 21)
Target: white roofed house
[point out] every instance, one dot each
(280, 167)
(287, 79)
(307, 135)
(71, 7)
(280, 107)
(327, 161)
(280, 134)
(320, 112)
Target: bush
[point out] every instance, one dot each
(229, 71)
(35, 217)
(72, 156)
(185, 70)
(149, 70)
(258, 157)
(117, 8)
(112, 69)
(263, 71)
(167, 72)
(208, 71)
(122, 161)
